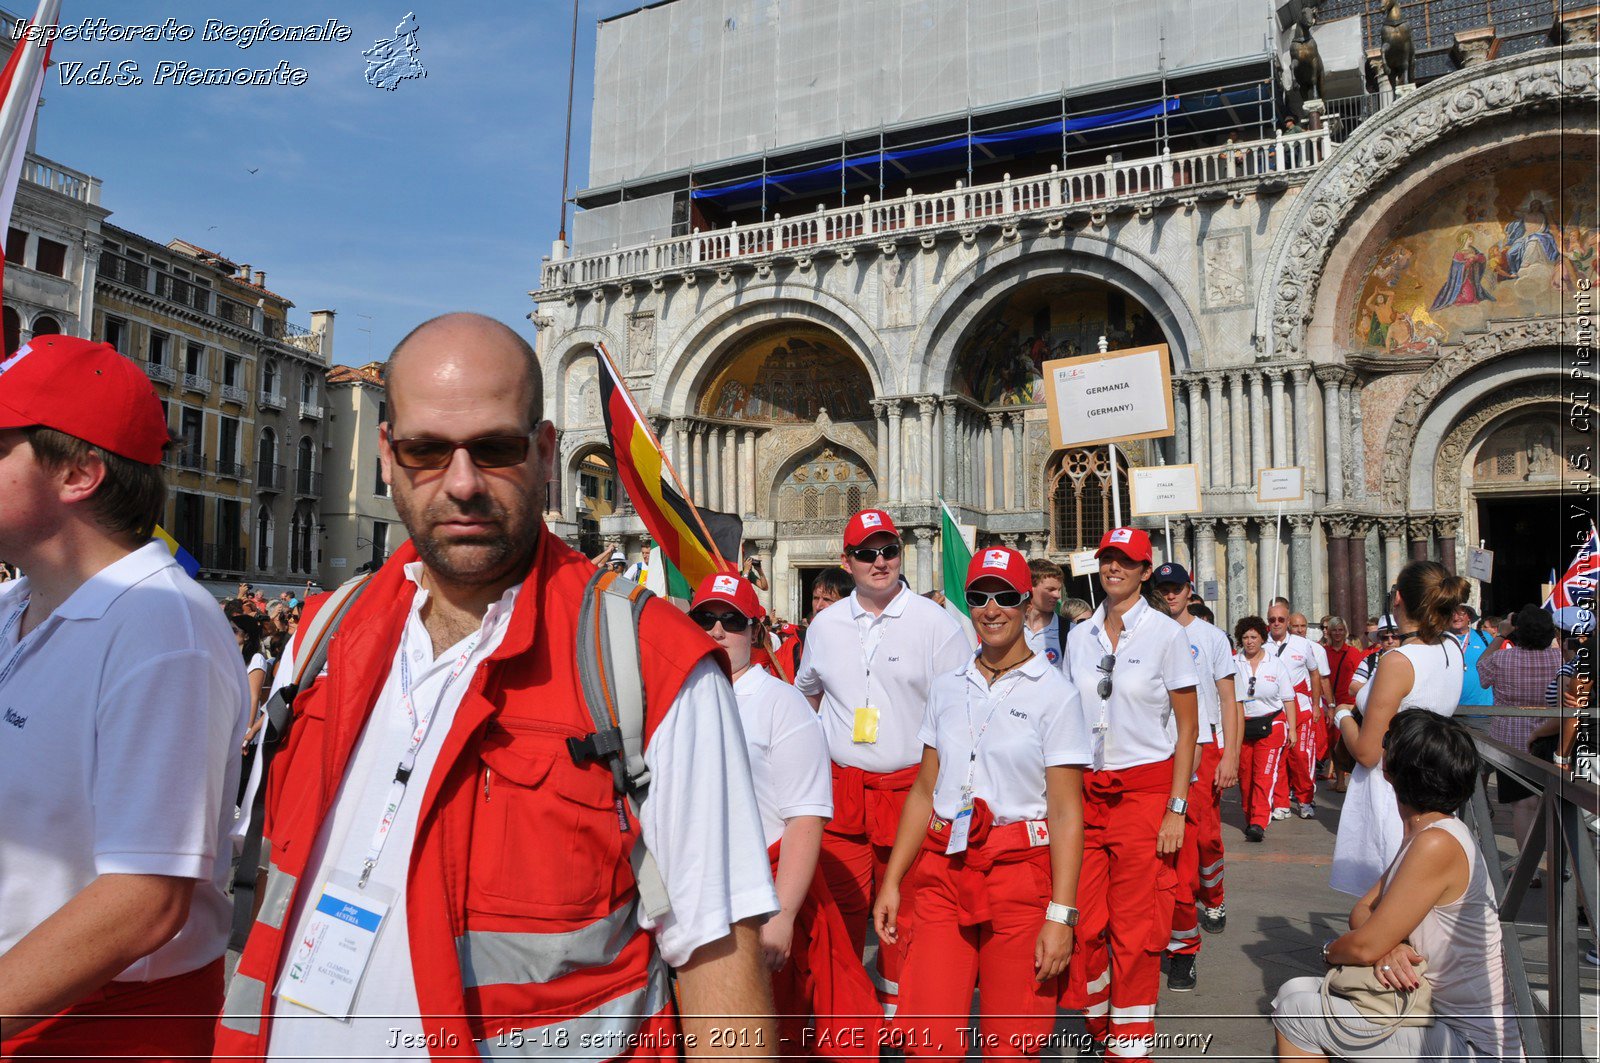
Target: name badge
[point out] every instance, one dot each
(332, 955)
(866, 726)
(961, 825)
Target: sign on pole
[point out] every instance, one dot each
(1480, 564)
(1287, 484)
(1114, 396)
(1084, 563)
(1164, 489)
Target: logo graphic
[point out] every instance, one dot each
(1052, 656)
(1194, 652)
(22, 352)
(724, 585)
(393, 61)
(994, 559)
(871, 520)
(1121, 535)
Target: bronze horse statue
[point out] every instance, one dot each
(1399, 52)
(1305, 62)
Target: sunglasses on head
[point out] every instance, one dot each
(1107, 663)
(869, 554)
(1004, 599)
(486, 452)
(732, 623)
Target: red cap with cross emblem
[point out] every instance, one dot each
(729, 590)
(865, 525)
(1130, 541)
(1002, 563)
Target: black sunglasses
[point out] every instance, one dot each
(1107, 663)
(486, 452)
(868, 554)
(1004, 599)
(732, 623)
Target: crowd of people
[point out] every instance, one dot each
(494, 817)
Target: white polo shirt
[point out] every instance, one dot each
(901, 649)
(1046, 641)
(1213, 662)
(1319, 653)
(1298, 654)
(1272, 685)
(1026, 722)
(119, 752)
(1153, 659)
(788, 751)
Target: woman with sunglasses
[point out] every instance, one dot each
(1136, 681)
(806, 947)
(1264, 687)
(991, 837)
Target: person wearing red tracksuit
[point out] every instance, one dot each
(1262, 685)
(991, 838)
(805, 945)
(1321, 693)
(1202, 858)
(869, 662)
(1296, 784)
(1136, 681)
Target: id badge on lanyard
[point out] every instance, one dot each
(864, 729)
(328, 962)
(961, 826)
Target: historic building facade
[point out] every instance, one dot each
(1386, 301)
(360, 527)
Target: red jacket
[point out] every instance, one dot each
(515, 842)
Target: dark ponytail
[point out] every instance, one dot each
(1430, 594)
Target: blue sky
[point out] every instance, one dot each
(386, 206)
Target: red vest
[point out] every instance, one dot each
(515, 843)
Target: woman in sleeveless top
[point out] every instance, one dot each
(1424, 673)
(1434, 903)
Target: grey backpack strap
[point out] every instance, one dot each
(613, 689)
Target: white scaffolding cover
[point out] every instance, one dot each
(693, 82)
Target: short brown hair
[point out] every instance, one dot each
(1043, 568)
(131, 498)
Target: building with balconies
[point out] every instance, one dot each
(831, 251)
(360, 525)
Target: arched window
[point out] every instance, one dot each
(45, 325)
(13, 328)
(303, 467)
(824, 486)
(267, 447)
(1080, 498)
(263, 538)
(269, 378)
(308, 389)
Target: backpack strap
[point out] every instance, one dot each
(612, 681)
(314, 641)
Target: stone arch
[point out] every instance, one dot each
(974, 289)
(820, 491)
(700, 349)
(1475, 430)
(572, 462)
(570, 348)
(1375, 153)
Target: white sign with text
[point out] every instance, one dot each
(1104, 398)
(1480, 565)
(1163, 489)
(1287, 484)
(1084, 563)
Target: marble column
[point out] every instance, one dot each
(747, 473)
(680, 446)
(1260, 436)
(1361, 602)
(1299, 430)
(897, 472)
(912, 566)
(1207, 425)
(949, 478)
(928, 418)
(730, 468)
(1240, 436)
(1194, 403)
(995, 437)
(1300, 563)
(1180, 423)
(1205, 558)
(880, 420)
(1332, 432)
(1268, 550)
(1355, 456)
(1019, 463)
(1446, 528)
(1393, 530)
(1280, 439)
(1419, 530)
(1217, 401)
(1238, 577)
(1338, 529)
(1037, 545)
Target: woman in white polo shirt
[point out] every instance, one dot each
(991, 836)
(815, 971)
(1262, 684)
(1136, 681)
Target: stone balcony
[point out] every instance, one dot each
(1141, 184)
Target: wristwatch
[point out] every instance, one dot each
(1061, 913)
(1177, 805)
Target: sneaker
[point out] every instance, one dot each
(1592, 958)
(1254, 833)
(1306, 810)
(1280, 813)
(1213, 920)
(1180, 974)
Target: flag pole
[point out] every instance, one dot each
(666, 462)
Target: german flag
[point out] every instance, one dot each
(681, 531)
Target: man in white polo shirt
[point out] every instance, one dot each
(1042, 625)
(124, 701)
(1297, 770)
(869, 663)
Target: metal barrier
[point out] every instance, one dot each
(1559, 829)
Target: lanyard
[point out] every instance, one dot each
(11, 622)
(977, 736)
(873, 634)
(419, 733)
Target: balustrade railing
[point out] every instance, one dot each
(269, 476)
(163, 373)
(271, 400)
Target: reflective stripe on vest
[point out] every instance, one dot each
(495, 957)
(241, 1011)
(602, 1034)
(275, 898)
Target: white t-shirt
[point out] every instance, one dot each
(1297, 653)
(713, 877)
(1028, 721)
(257, 663)
(1213, 662)
(788, 751)
(1153, 659)
(1272, 685)
(908, 644)
(1046, 641)
(123, 712)
(1320, 652)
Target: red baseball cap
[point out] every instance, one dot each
(865, 525)
(1003, 563)
(86, 390)
(729, 590)
(1129, 541)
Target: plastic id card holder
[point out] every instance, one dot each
(960, 826)
(866, 726)
(332, 955)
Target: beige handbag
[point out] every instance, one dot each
(1388, 1009)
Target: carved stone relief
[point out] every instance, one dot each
(583, 393)
(897, 277)
(641, 341)
(1540, 459)
(1225, 270)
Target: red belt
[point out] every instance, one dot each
(987, 847)
(1155, 777)
(869, 802)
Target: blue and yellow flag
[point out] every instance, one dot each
(183, 557)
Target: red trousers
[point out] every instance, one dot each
(1258, 773)
(163, 1021)
(1201, 855)
(1297, 771)
(977, 930)
(855, 852)
(1126, 893)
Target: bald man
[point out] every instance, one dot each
(412, 900)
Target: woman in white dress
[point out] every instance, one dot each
(1424, 673)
